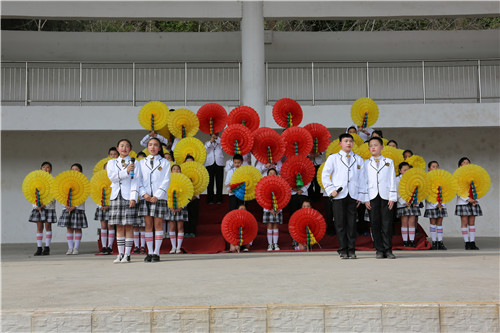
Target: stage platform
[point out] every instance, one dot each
(453, 291)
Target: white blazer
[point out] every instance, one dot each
(121, 181)
(380, 181)
(152, 179)
(214, 153)
(343, 174)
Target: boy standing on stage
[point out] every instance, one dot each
(380, 193)
(341, 178)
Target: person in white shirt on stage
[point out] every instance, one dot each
(215, 167)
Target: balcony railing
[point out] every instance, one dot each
(177, 83)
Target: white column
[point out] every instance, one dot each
(253, 78)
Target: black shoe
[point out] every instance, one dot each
(219, 202)
(148, 258)
(472, 246)
(434, 246)
(467, 245)
(405, 243)
(156, 258)
(343, 255)
(390, 255)
(137, 250)
(352, 255)
(38, 251)
(104, 250)
(411, 244)
(440, 246)
(379, 255)
(210, 202)
(46, 251)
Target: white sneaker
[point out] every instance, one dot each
(75, 251)
(118, 259)
(276, 247)
(125, 259)
(173, 250)
(270, 247)
(178, 250)
(70, 251)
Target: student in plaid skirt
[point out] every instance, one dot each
(123, 199)
(44, 216)
(468, 209)
(102, 215)
(74, 220)
(153, 179)
(435, 212)
(407, 212)
(272, 219)
(176, 219)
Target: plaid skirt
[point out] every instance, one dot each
(268, 217)
(436, 213)
(157, 209)
(181, 215)
(121, 214)
(76, 219)
(468, 210)
(408, 211)
(101, 215)
(46, 215)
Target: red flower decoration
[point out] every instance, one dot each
(267, 142)
(287, 113)
(304, 219)
(269, 185)
(213, 111)
(298, 141)
(236, 139)
(244, 115)
(239, 227)
(298, 168)
(320, 135)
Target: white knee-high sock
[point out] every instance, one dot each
(120, 242)
(104, 237)
(275, 235)
(404, 234)
(158, 241)
(48, 238)
(411, 232)
(111, 237)
(440, 233)
(69, 238)
(149, 242)
(180, 238)
(433, 232)
(465, 234)
(269, 236)
(173, 240)
(143, 239)
(78, 238)
(136, 239)
(39, 239)
(128, 245)
(472, 233)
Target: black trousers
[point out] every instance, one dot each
(193, 209)
(215, 175)
(344, 212)
(381, 221)
(234, 202)
(295, 203)
(314, 190)
(330, 226)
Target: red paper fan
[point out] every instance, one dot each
(239, 227)
(320, 135)
(307, 226)
(298, 141)
(296, 169)
(269, 185)
(287, 113)
(268, 146)
(244, 115)
(212, 117)
(236, 139)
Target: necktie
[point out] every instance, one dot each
(152, 162)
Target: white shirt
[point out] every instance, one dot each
(153, 177)
(176, 141)
(360, 133)
(318, 160)
(263, 170)
(430, 205)
(144, 141)
(50, 205)
(379, 181)
(121, 180)
(303, 189)
(463, 201)
(79, 207)
(230, 165)
(346, 172)
(214, 153)
(227, 181)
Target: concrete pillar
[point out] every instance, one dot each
(253, 77)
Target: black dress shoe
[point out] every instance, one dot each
(472, 246)
(440, 246)
(148, 258)
(344, 255)
(405, 243)
(434, 246)
(38, 251)
(156, 258)
(390, 255)
(380, 255)
(467, 245)
(352, 255)
(46, 251)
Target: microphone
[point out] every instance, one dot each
(132, 160)
(338, 191)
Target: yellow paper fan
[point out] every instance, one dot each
(198, 175)
(74, 180)
(385, 141)
(38, 180)
(416, 161)
(364, 112)
(246, 176)
(180, 191)
(414, 186)
(146, 151)
(190, 146)
(164, 132)
(132, 154)
(183, 123)
(319, 176)
(357, 139)
(99, 166)
(364, 151)
(153, 116)
(396, 155)
(100, 188)
(443, 186)
(333, 148)
(467, 174)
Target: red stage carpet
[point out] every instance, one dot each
(209, 237)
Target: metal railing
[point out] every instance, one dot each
(197, 83)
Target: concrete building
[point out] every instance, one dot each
(68, 97)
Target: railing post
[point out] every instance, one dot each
(185, 82)
(239, 82)
(133, 85)
(267, 83)
(479, 93)
(367, 80)
(80, 84)
(26, 86)
(423, 80)
(312, 82)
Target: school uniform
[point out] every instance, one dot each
(153, 178)
(46, 215)
(268, 217)
(402, 208)
(100, 214)
(379, 187)
(315, 189)
(433, 212)
(343, 170)
(215, 167)
(121, 192)
(234, 202)
(181, 215)
(465, 208)
(176, 141)
(144, 141)
(362, 134)
(75, 219)
(296, 199)
(263, 170)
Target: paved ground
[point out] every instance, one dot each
(87, 280)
